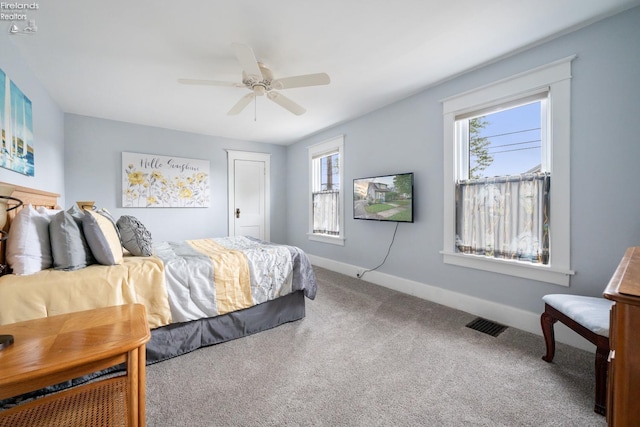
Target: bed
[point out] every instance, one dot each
(197, 293)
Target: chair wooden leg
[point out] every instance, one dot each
(601, 368)
(547, 321)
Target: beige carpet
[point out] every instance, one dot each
(369, 356)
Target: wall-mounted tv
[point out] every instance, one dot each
(384, 198)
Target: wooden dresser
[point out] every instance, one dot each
(623, 400)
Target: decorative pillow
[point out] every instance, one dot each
(77, 215)
(68, 246)
(102, 238)
(47, 211)
(28, 244)
(105, 213)
(134, 236)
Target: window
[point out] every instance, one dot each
(502, 184)
(326, 197)
(504, 144)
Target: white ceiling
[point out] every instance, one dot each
(120, 59)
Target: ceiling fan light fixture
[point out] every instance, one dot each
(258, 78)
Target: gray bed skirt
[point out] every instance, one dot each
(180, 338)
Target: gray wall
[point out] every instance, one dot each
(48, 125)
(408, 136)
(93, 157)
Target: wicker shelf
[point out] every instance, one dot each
(99, 404)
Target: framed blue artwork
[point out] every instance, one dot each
(16, 123)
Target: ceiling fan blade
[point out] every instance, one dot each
(247, 60)
(286, 103)
(208, 83)
(244, 101)
(301, 81)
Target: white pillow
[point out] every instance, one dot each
(28, 244)
(47, 211)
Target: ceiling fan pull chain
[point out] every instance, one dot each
(255, 108)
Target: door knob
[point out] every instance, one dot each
(237, 212)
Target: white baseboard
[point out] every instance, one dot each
(504, 314)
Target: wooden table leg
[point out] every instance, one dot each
(133, 380)
(142, 387)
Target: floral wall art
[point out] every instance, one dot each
(152, 181)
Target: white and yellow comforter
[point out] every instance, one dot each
(183, 281)
(51, 292)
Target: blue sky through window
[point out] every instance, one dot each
(515, 140)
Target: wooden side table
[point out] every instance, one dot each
(59, 348)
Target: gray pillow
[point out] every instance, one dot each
(134, 236)
(68, 246)
(77, 215)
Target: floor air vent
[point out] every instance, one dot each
(486, 326)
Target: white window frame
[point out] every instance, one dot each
(332, 145)
(556, 79)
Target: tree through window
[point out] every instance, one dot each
(499, 207)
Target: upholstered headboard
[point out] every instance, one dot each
(28, 196)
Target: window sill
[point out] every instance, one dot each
(334, 240)
(542, 273)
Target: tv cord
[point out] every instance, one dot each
(361, 275)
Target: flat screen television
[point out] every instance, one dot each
(384, 198)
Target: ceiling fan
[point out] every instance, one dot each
(258, 78)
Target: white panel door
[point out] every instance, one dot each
(249, 198)
(248, 195)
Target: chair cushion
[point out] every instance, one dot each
(590, 312)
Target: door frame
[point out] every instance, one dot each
(232, 156)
